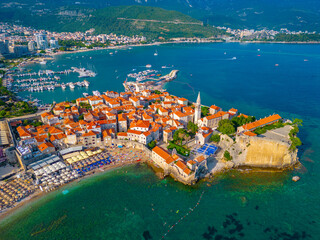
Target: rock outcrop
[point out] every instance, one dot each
(263, 152)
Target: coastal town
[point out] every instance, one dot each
(17, 41)
(175, 136)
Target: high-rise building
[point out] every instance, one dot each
(4, 47)
(41, 40)
(31, 46)
(197, 113)
(54, 43)
(19, 50)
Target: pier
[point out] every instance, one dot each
(152, 84)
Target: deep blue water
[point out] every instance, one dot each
(135, 205)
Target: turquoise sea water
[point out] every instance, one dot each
(132, 203)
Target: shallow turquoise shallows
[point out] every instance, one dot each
(132, 203)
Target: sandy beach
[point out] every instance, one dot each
(122, 157)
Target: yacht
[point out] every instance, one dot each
(86, 83)
(43, 62)
(63, 86)
(148, 66)
(71, 85)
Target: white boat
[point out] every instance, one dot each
(86, 83)
(148, 66)
(111, 53)
(84, 72)
(71, 85)
(156, 53)
(96, 93)
(63, 86)
(43, 62)
(85, 94)
(234, 58)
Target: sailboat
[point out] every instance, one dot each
(156, 53)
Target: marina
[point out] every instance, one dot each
(46, 80)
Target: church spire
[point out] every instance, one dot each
(199, 99)
(197, 114)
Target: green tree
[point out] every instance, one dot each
(215, 138)
(152, 144)
(226, 127)
(204, 111)
(192, 127)
(2, 113)
(227, 155)
(239, 121)
(297, 122)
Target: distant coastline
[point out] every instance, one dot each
(175, 42)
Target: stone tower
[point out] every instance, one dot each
(197, 113)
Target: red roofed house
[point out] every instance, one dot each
(24, 133)
(259, 123)
(233, 113)
(108, 135)
(90, 139)
(47, 147)
(135, 101)
(122, 136)
(58, 139)
(182, 168)
(212, 121)
(140, 125)
(93, 100)
(71, 137)
(183, 101)
(214, 109)
(181, 117)
(162, 158)
(82, 100)
(163, 112)
(146, 137)
(122, 123)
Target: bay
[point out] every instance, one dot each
(284, 79)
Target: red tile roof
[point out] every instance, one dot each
(163, 154)
(262, 122)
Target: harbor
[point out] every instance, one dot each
(46, 80)
(146, 80)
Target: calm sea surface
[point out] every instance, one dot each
(132, 203)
